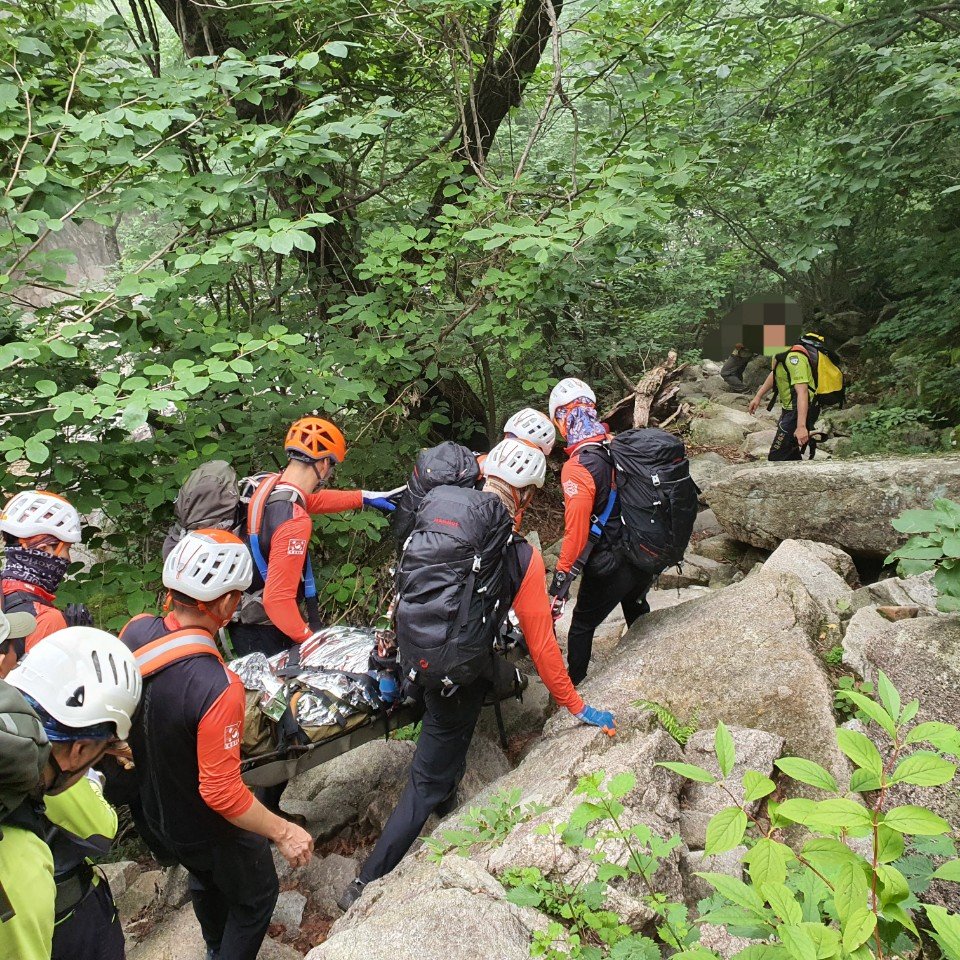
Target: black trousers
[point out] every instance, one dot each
(234, 888)
(92, 931)
(262, 638)
(785, 446)
(437, 769)
(599, 595)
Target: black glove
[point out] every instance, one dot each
(77, 615)
(557, 584)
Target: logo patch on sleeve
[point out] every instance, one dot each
(231, 736)
(794, 360)
(570, 488)
(297, 548)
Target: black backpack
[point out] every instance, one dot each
(452, 587)
(658, 497)
(447, 464)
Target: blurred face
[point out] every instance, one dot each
(69, 762)
(8, 659)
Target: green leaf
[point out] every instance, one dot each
(725, 830)
(889, 696)
(850, 892)
(724, 748)
(798, 942)
(690, 771)
(948, 871)
(620, 785)
(826, 814)
(924, 769)
(947, 926)
(336, 48)
(943, 736)
(767, 861)
(761, 951)
(916, 521)
(806, 771)
(309, 60)
(36, 452)
(890, 844)
(756, 786)
(736, 891)
(860, 749)
(896, 913)
(858, 929)
(782, 901)
(281, 243)
(915, 820)
(45, 388)
(871, 708)
(525, 896)
(862, 781)
(893, 884)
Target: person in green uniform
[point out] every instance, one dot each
(59, 715)
(792, 376)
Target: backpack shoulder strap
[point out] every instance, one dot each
(172, 647)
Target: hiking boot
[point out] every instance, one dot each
(351, 895)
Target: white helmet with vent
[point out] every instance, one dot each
(531, 426)
(516, 463)
(36, 512)
(206, 564)
(568, 390)
(82, 677)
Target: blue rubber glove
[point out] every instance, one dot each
(598, 718)
(381, 499)
(389, 691)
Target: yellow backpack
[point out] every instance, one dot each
(827, 376)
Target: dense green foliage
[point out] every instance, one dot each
(811, 895)
(412, 218)
(934, 545)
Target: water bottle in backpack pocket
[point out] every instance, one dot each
(452, 582)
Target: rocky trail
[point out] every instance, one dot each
(778, 595)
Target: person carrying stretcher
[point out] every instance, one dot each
(186, 747)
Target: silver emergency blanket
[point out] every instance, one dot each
(332, 682)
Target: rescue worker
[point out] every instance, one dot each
(61, 710)
(39, 528)
(513, 472)
(186, 748)
(608, 578)
(796, 390)
(531, 427)
(279, 531)
(733, 367)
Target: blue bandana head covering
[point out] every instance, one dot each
(580, 421)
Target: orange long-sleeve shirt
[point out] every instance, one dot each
(288, 555)
(579, 494)
(532, 607)
(49, 618)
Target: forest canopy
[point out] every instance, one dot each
(415, 214)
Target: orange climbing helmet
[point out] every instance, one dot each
(311, 439)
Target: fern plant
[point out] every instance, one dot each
(670, 722)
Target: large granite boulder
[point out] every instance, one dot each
(848, 504)
(743, 655)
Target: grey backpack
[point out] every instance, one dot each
(23, 750)
(209, 497)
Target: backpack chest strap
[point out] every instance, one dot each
(169, 649)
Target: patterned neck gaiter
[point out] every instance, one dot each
(582, 423)
(34, 566)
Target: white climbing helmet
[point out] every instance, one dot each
(206, 564)
(36, 512)
(568, 390)
(533, 427)
(81, 677)
(516, 463)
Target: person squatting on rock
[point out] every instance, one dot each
(797, 391)
(513, 470)
(39, 528)
(608, 578)
(733, 367)
(61, 710)
(186, 747)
